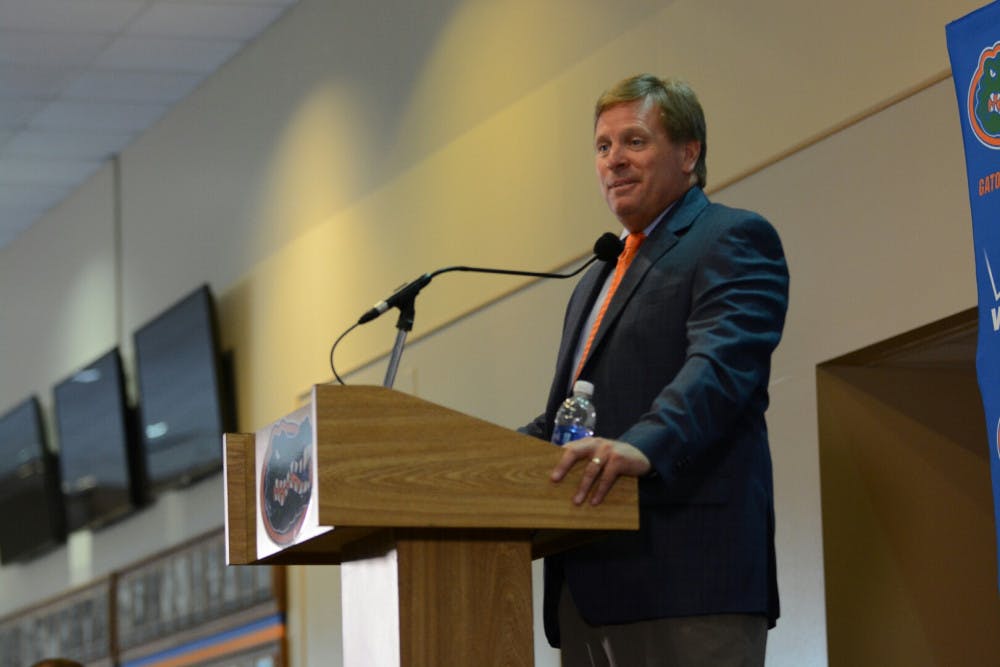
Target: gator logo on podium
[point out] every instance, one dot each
(286, 480)
(983, 110)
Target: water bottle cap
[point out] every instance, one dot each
(583, 387)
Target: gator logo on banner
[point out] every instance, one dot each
(975, 66)
(286, 480)
(984, 98)
(998, 438)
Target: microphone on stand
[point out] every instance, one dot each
(606, 248)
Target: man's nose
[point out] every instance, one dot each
(616, 156)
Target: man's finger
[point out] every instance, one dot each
(591, 473)
(566, 462)
(604, 484)
(573, 452)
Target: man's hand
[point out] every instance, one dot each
(605, 461)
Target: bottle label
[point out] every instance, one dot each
(569, 432)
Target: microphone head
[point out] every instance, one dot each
(608, 247)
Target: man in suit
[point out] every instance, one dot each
(677, 342)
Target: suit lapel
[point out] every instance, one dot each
(663, 238)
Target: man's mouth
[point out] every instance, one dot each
(621, 183)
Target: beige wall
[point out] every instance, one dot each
(356, 146)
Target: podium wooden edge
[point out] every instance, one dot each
(239, 489)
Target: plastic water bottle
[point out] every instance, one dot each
(576, 417)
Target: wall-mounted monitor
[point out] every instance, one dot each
(31, 512)
(97, 451)
(184, 397)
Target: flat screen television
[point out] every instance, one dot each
(97, 450)
(31, 511)
(185, 401)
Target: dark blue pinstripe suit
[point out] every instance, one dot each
(680, 368)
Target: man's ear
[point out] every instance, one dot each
(692, 151)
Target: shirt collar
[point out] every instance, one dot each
(653, 225)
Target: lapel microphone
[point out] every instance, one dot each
(606, 248)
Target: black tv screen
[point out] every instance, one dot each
(96, 447)
(183, 403)
(31, 520)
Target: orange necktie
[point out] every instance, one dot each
(632, 244)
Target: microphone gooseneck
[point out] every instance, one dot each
(606, 248)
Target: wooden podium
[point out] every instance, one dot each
(433, 515)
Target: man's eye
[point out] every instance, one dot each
(636, 141)
(602, 148)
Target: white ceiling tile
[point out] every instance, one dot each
(165, 19)
(16, 218)
(30, 197)
(10, 228)
(68, 49)
(132, 86)
(103, 16)
(248, 3)
(70, 145)
(21, 171)
(75, 89)
(118, 117)
(32, 81)
(15, 112)
(164, 54)
(13, 222)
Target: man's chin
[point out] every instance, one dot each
(627, 215)
(622, 208)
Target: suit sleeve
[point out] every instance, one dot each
(536, 427)
(739, 300)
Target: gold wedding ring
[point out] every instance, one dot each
(596, 460)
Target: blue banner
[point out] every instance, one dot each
(974, 47)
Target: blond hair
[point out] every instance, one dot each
(680, 112)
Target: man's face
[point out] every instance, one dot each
(641, 171)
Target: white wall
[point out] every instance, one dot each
(354, 147)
